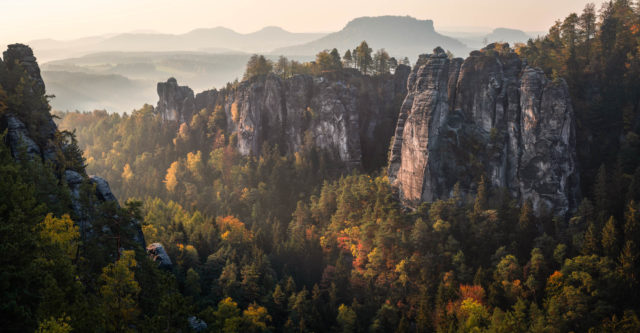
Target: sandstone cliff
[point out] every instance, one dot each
(488, 116)
(31, 133)
(352, 115)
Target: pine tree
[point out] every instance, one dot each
(591, 242)
(601, 193)
(481, 197)
(632, 222)
(363, 59)
(347, 60)
(633, 193)
(119, 293)
(609, 238)
(192, 284)
(628, 263)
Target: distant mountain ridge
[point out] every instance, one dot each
(401, 36)
(214, 40)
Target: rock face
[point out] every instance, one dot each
(22, 56)
(18, 138)
(345, 115)
(176, 102)
(488, 116)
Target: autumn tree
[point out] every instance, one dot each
(363, 57)
(257, 65)
(381, 62)
(119, 291)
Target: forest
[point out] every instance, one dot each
(294, 243)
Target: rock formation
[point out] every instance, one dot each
(344, 115)
(37, 140)
(176, 102)
(159, 255)
(488, 116)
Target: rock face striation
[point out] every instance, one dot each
(21, 140)
(344, 115)
(488, 116)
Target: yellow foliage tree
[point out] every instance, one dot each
(195, 165)
(61, 232)
(127, 173)
(256, 317)
(171, 179)
(233, 230)
(55, 325)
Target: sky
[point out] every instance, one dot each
(25, 20)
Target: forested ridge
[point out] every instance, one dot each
(294, 243)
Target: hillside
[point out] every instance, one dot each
(401, 36)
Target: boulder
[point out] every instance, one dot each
(196, 324)
(159, 255)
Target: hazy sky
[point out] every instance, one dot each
(24, 20)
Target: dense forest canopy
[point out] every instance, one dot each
(293, 243)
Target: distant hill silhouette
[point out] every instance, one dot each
(212, 40)
(400, 35)
(511, 36)
(219, 39)
(480, 39)
(121, 81)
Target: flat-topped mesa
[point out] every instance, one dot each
(488, 116)
(344, 116)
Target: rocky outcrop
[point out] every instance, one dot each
(37, 140)
(207, 99)
(159, 255)
(20, 54)
(18, 59)
(488, 116)
(345, 115)
(197, 324)
(102, 189)
(284, 111)
(175, 102)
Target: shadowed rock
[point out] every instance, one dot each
(176, 102)
(490, 115)
(342, 115)
(159, 255)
